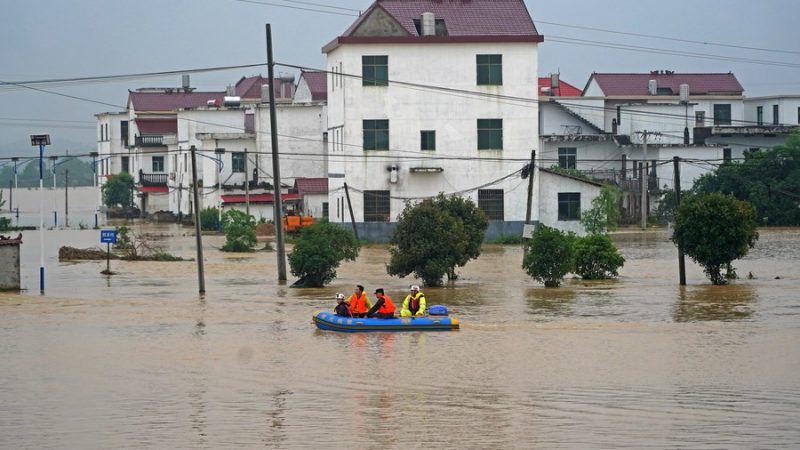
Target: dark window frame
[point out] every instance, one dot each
(727, 154)
(157, 164)
(489, 70)
(427, 140)
(569, 206)
(490, 132)
(776, 114)
(760, 115)
(125, 164)
(374, 70)
(722, 114)
(377, 206)
(568, 157)
(375, 134)
(237, 162)
(492, 203)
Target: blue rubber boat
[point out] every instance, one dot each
(326, 320)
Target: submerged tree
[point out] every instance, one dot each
(549, 255)
(240, 231)
(118, 190)
(714, 230)
(319, 250)
(604, 215)
(434, 237)
(596, 257)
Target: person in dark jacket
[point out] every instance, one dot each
(383, 307)
(341, 307)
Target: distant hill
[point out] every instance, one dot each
(24, 149)
(80, 172)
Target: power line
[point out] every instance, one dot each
(301, 8)
(666, 38)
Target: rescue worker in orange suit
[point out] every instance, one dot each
(359, 303)
(383, 307)
(414, 304)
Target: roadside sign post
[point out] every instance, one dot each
(108, 237)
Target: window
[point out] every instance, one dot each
(490, 134)
(490, 201)
(775, 115)
(568, 157)
(569, 206)
(126, 164)
(760, 115)
(490, 69)
(376, 135)
(237, 162)
(123, 132)
(427, 140)
(376, 206)
(798, 115)
(325, 211)
(374, 70)
(722, 114)
(726, 155)
(700, 118)
(158, 164)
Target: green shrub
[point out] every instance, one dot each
(549, 255)
(5, 224)
(209, 219)
(118, 190)
(508, 239)
(319, 250)
(240, 231)
(596, 257)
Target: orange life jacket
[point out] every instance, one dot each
(387, 307)
(358, 305)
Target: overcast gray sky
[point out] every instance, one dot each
(47, 39)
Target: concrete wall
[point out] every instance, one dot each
(788, 110)
(9, 266)
(382, 232)
(452, 116)
(83, 203)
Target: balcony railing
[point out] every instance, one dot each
(149, 141)
(152, 179)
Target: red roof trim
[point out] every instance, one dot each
(258, 198)
(153, 189)
(427, 40)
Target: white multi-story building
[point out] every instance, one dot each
(427, 97)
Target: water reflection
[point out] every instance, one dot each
(734, 301)
(550, 302)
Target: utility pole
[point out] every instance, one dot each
(350, 207)
(530, 187)
(644, 181)
(197, 231)
(276, 168)
(677, 181)
(246, 183)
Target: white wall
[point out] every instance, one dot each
(788, 110)
(452, 115)
(549, 186)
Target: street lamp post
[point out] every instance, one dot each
(219, 152)
(41, 140)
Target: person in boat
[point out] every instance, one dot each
(414, 303)
(383, 307)
(341, 307)
(359, 303)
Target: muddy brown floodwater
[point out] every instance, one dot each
(139, 360)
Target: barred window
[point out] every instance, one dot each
(490, 69)
(376, 134)
(376, 206)
(237, 162)
(158, 163)
(375, 70)
(490, 201)
(490, 134)
(568, 157)
(569, 206)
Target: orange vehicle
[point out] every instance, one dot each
(295, 223)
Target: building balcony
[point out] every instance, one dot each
(155, 140)
(152, 179)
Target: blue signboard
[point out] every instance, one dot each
(108, 236)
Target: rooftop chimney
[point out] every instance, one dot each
(428, 24)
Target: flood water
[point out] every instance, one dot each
(140, 360)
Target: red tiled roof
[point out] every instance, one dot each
(637, 83)
(157, 126)
(172, 101)
(250, 87)
(259, 198)
(563, 90)
(153, 189)
(461, 17)
(317, 83)
(311, 185)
